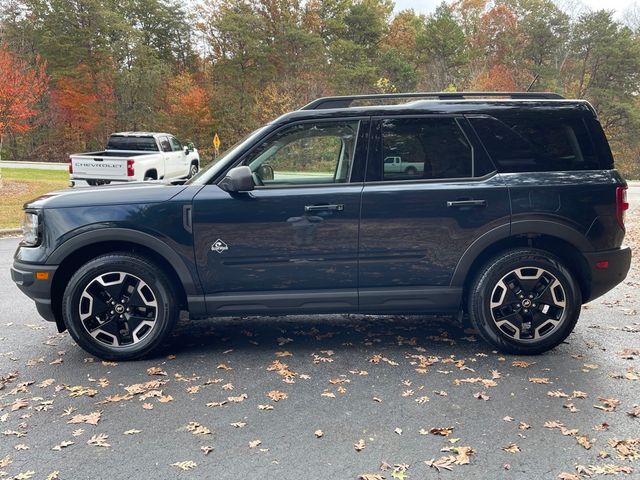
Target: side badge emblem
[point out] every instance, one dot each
(219, 246)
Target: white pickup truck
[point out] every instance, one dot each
(133, 157)
(397, 165)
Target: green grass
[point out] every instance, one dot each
(33, 174)
(19, 185)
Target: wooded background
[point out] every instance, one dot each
(73, 71)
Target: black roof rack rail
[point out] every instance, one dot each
(345, 102)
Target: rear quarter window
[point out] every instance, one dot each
(538, 143)
(121, 142)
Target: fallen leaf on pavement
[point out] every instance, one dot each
(276, 395)
(442, 431)
(186, 465)
(568, 476)
(443, 463)
(584, 441)
(520, 364)
(198, 429)
(61, 445)
(608, 404)
(511, 448)
(542, 380)
(99, 440)
(359, 445)
(481, 396)
(92, 418)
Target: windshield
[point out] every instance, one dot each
(121, 142)
(204, 175)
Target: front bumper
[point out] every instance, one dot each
(30, 279)
(607, 268)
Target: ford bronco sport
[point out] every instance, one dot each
(516, 217)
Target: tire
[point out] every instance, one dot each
(524, 301)
(411, 171)
(193, 169)
(135, 285)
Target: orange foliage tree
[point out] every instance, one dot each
(84, 104)
(21, 89)
(187, 110)
(499, 38)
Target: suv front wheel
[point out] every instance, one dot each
(524, 301)
(119, 306)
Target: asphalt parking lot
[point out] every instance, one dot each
(322, 397)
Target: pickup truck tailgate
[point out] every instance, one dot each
(104, 167)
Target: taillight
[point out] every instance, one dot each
(70, 167)
(622, 205)
(131, 171)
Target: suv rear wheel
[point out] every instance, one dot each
(524, 301)
(119, 306)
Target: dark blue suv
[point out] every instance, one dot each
(506, 206)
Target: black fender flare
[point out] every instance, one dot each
(191, 286)
(550, 228)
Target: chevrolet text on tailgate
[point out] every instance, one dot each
(135, 156)
(512, 212)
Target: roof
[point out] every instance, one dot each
(439, 107)
(140, 134)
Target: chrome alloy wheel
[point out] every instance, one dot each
(528, 303)
(118, 309)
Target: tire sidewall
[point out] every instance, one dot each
(500, 266)
(151, 275)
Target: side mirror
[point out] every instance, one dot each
(265, 172)
(238, 179)
(187, 150)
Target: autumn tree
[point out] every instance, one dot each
(21, 90)
(187, 111)
(83, 106)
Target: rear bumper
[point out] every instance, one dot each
(607, 268)
(38, 289)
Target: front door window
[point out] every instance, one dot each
(306, 153)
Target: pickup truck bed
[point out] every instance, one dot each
(135, 156)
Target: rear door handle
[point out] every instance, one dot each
(321, 208)
(466, 203)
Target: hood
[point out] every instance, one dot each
(113, 194)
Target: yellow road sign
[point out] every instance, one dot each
(216, 141)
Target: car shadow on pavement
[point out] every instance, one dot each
(320, 332)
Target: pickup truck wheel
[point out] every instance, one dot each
(524, 301)
(119, 306)
(193, 170)
(411, 171)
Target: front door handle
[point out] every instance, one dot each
(466, 203)
(324, 207)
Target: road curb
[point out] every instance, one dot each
(38, 165)
(10, 232)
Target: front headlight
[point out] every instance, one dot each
(31, 229)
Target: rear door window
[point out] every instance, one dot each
(537, 144)
(425, 148)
